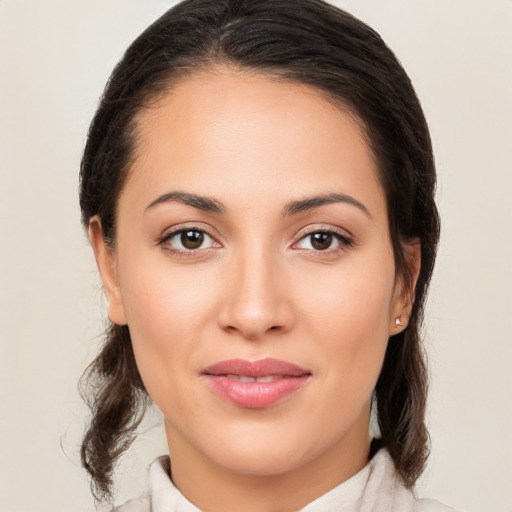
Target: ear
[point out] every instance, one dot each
(107, 265)
(403, 295)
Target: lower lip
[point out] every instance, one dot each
(255, 395)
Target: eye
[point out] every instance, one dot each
(188, 240)
(324, 241)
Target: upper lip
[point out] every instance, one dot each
(259, 368)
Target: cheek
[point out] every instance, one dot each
(349, 319)
(353, 300)
(166, 311)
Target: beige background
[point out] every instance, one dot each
(55, 56)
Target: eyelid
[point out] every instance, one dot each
(345, 238)
(322, 228)
(180, 228)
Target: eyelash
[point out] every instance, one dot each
(345, 242)
(183, 253)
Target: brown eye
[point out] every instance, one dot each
(328, 241)
(187, 240)
(321, 241)
(192, 239)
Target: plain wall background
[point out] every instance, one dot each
(55, 56)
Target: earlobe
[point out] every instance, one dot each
(106, 261)
(403, 299)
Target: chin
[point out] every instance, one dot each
(258, 462)
(261, 451)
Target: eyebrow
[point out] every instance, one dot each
(292, 208)
(309, 203)
(201, 202)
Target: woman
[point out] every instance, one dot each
(258, 188)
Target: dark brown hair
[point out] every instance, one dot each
(304, 41)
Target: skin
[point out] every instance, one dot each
(257, 287)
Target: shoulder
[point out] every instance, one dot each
(386, 490)
(142, 504)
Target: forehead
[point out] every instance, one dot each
(231, 132)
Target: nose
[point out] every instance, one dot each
(257, 298)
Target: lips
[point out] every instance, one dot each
(255, 384)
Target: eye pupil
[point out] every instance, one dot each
(321, 241)
(192, 239)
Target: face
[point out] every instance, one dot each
(254, 267)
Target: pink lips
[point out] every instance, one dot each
(256, 384)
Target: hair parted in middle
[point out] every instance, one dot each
(301, 41)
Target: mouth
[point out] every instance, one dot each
(244, 378)
(255, 384)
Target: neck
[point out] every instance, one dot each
(214, 488)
